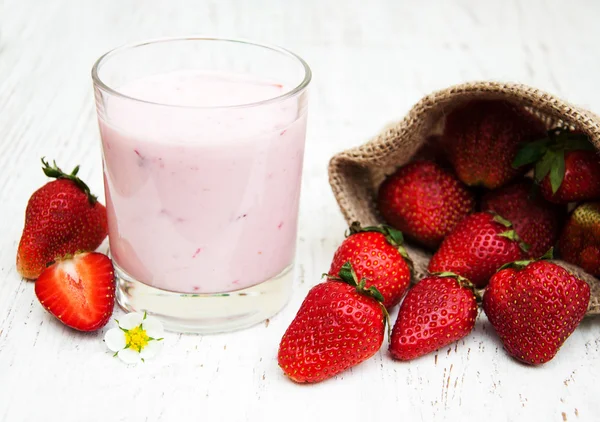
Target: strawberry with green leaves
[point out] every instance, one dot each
(482, 138)
(566, 166)
(534, 306)
(62, 218)
(424, 201)
(377, 255)
(436, 312)
(535, 220)
(479, 245)
(340, 324)
(579, 241)
(79, 290)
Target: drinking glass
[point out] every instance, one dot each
(202, 143)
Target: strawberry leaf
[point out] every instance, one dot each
(512, 235)
(393, 236)
(530, 153)
(549, 254)
(542, 167)
(524, 246)
(404, 254)
(544, 152)
(446, 274)
(449, 274)
(557, 171)
(347, 275)
(499, 219)
(56, 173)
(462, 282)
(375, 293)
(396, 236)
(361, 285)
(516, 264)
(578, 142)
(523, 263)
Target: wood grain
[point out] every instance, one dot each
(371, 61)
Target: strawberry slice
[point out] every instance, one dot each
(79, 291)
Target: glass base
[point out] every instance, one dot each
(206, 313)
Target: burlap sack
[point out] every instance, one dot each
(356, 174)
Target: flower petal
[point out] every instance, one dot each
(152, 349)
(131, 320)
(153, 327)
(129, 356)
(115, 339)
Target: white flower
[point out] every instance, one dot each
(138, 337)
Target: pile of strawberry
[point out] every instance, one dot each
(491, 207)
(64, 224)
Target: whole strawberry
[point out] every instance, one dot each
(534, 307)
(79, 291)
(483, 137)
(566, 166)
(424, 201)
(579, 241)
(437, 311)
(535, 220)
(62, 218)
(377, 255)
(339, 325)
(477, 247)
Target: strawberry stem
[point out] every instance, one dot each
(386, 321)
(55, 172)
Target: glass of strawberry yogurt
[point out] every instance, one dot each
(203, 143)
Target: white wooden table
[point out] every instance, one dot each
(371, 60)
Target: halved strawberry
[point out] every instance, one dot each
(79, 291)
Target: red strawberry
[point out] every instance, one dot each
(424, 201)
(581, 180)
(79, 291)
(377, 255)
(567, 166)
(579, 241)
(483, 137)
(535, 220)
(339, 325)
(534, 307)
(477, 247)
(62, 218)
(438, 311)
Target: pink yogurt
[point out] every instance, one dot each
(202, 200)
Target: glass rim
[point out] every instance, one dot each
(98, 82)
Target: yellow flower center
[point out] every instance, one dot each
(136, 338)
